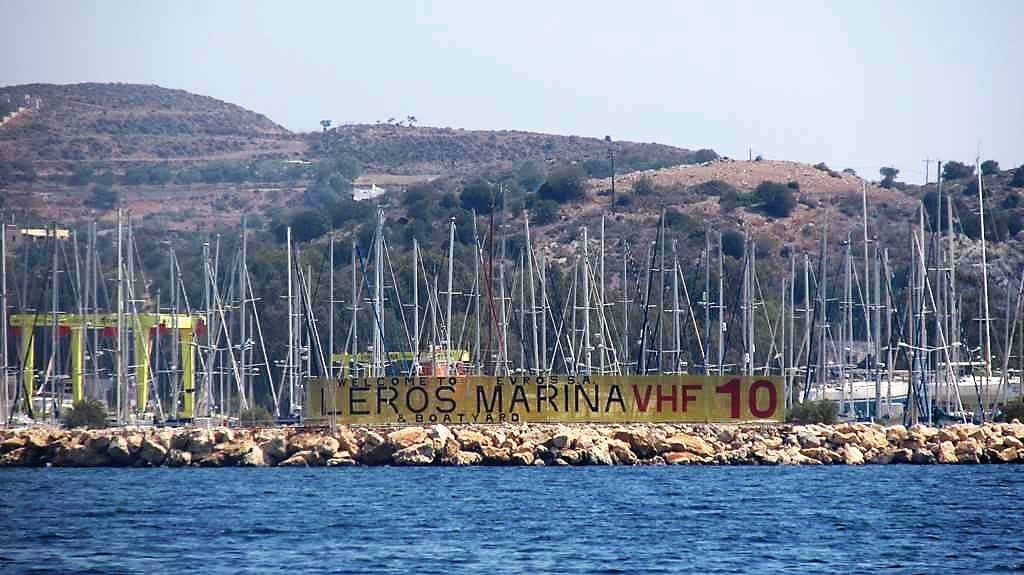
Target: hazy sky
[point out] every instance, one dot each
(856, 84)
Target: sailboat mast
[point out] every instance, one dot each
(451, 290)
(330, 308)
(984, 285)
(721, 308)
(415, 306)
(5, 395)
(119, 346)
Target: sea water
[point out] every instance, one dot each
(896, 519)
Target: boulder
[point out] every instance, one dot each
(470, 440)
(1011, 441)
(946, 452)
(253, 457)
(621, 453)
(274, 450)
(523, 457)
(407, 437)
(467, 458)
(20, 457)
(327, 446)
(639, 441)
(200, 442)
(303, 441)
(441, 436)
(681, 458)
(152, 452)
(417, 454)
(570, 456)
(1006, 455)
(895, 434)
(11, 443)
(80, 456)
(598, 454)
(495, 455)
(341, 459)
(299, 459)
(118, 451)
(901, 455)
(375, 450)
(564, 439)
(822, 455)
(852, 455)
(36, 438)
(178, 458)
(922, 456)
(685, 442)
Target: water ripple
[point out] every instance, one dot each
(509, 520)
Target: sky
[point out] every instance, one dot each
(854, 84)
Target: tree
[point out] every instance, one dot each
(309, 225)
(85, 413)
(564, 185)
(956, 171)
(732, 244)
(644, 186)
(776, 199)
(1018, 177)
(102, 198)
(544, 212)
(889, 174)
(989, 167)
(478, 195)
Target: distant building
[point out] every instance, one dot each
(374, 191)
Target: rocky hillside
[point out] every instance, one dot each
(103, 122)
(426, 150)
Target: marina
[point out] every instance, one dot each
(887, 342)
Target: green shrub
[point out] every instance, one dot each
(989, 167)
(732, 244)
(643, 186)
(956, 171)
(888, 176)
(86, 413)
(714, 188)
(256, 416)
(776, 199)
(1018, 177)
(564, 185)
(821, 411)
(623, 200)
(544, 211)
(1013, 409)
(480, 196)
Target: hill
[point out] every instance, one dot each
(109, 122)
(401, 149)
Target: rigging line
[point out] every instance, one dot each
(398, 299)
(30, 346)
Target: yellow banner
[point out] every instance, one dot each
(553, 398)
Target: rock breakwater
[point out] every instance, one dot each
(524, 444)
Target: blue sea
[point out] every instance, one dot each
(893, 519)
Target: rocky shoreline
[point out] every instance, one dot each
(524, 444)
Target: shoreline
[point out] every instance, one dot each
(519, 444)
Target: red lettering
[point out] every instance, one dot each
(687, 398)
(641, 404)
(732, 387)
(773, 400)
(662, 398)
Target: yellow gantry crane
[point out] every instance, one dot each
(143, 330)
